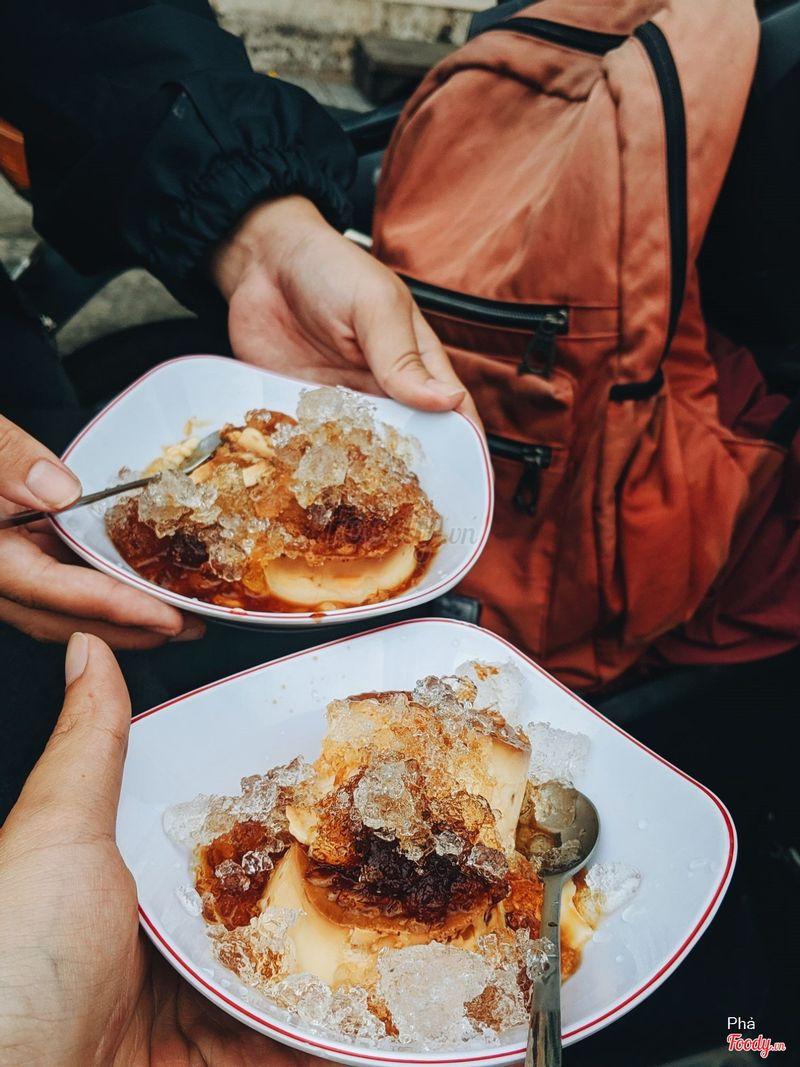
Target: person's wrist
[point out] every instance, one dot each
(21, 1040)
(268, 234)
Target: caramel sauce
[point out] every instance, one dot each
(523, 904)
(384, 885)
(361, 878)
(232, 904)
(523, 910)
(178, 564)
(570, 960)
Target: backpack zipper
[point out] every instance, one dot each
(534, 459)
(545, 321)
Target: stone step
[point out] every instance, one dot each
(385, 68)
(317, 36)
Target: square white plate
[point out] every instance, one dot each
(130, 432)
(654, 817)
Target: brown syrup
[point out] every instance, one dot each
(382, 884)
(228, 901)
(523, 904)
(570, 960)
(523, 911)
(385, 882)
(175, 563)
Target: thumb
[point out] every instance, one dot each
(30, 474)
(392, 350)
(79, 774)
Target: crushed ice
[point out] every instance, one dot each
(608, 887)
(189, 899)
(426, 989)
(262, 799)
(497, 685)
(556, 754)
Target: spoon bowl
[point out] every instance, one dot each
(574, 844)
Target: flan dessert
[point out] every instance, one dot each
(311, 512)
(396, 872)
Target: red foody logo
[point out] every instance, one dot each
(737, 1041)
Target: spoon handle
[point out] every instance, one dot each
(22, 518)
(544, 1032)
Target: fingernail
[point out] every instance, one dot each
(193, 630)
(76, 659)
(449, 392)
(53, 485)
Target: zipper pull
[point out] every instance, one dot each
(540, 355)
(526, 495)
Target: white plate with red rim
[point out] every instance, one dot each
(455, 472)
(671, 828)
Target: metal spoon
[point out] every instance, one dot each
(205, 450)
(544, 1031)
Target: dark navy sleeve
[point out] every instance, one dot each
(148, 134)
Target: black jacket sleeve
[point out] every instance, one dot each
(148, 134)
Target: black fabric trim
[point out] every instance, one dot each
(658, 51)
(657, 47)
(576, 37)
(460, 607)
(637, 390)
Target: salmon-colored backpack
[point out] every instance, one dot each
(553, 179)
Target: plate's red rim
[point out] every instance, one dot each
(163, 944)
(339, 615)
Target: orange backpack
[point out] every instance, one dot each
(546, 193)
